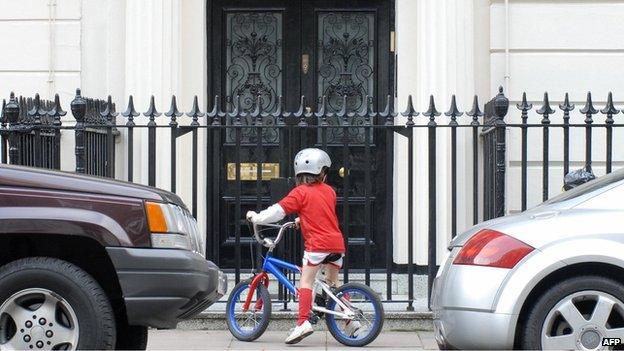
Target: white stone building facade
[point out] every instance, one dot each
(442, 47)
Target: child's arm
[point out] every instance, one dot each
(272, 214)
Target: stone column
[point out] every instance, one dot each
(439, 52)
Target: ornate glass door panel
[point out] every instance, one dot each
(345, 59)
(254, 67)
(345, 55)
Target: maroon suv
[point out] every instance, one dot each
(90, 263)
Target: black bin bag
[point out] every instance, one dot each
(576, 178)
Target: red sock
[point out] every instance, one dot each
(305, 305)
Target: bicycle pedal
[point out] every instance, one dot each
(313, 319)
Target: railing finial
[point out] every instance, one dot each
(151, 112)
(431, 112)
(453, 112)
(610, 109)
(173, 112)
(409, 112)
(78, 107)
(195, 112)
(130, 112)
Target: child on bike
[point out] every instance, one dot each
(315, 203)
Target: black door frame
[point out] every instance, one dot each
(214, 82)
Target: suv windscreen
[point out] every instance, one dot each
(588, 187)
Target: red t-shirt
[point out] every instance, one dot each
(316, 206)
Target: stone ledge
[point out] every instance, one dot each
(280, 320)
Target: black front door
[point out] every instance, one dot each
(289, 48)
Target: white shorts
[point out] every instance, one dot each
(316, 258)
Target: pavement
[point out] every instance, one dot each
(274, 340)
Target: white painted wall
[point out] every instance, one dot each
(40, 47)
(557, 46)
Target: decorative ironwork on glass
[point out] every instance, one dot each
(345, 67)
(254, 66)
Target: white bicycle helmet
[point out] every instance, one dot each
(311, 161)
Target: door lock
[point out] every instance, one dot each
(305, 63)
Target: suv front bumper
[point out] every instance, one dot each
(162, 287)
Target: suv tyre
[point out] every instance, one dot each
(48, 303)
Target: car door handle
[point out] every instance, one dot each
(545, 215)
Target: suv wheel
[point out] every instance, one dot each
(577, 313)
(47, 303)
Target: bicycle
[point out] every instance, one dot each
(248, 309)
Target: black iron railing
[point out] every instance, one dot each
(248, 161)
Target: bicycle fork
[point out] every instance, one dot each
(261, 278)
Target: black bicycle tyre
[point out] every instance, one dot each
(378, 306)
(266, 312)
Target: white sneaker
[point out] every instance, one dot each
(299, 332)
(353, 329)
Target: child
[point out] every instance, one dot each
(315, 203)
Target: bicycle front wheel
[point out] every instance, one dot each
(369, 315)
(251, 324)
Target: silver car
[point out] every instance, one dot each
(551, 277)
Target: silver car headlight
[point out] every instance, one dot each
(173, 227)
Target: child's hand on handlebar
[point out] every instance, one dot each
(250, 216)
(297, 223)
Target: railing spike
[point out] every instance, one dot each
(475, 112)
(109, 110)
(56, 111)
(524, 105)
(545, 110)
(173, 112)
(301, 113)
(566, 106)
(589, 109)
(195, 112)
(409, 112)
(151, 112)
(431, 112)
(216, 114)
(610, 109)
(388, 112)
(279, 111)
(343, 112)
(256, 114)
(323, 112)
(453, 111)
(130, 112)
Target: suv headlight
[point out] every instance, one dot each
(173, 227)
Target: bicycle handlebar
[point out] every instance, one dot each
(271, 243)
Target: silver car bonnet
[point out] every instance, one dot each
(597, 212)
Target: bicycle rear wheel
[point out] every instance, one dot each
(251, 324)
(369, 315)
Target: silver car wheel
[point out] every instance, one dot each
(581, 320)
(35, 319)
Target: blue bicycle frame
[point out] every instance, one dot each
(273, 265)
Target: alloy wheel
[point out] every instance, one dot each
(35, 319)
(581, 321)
